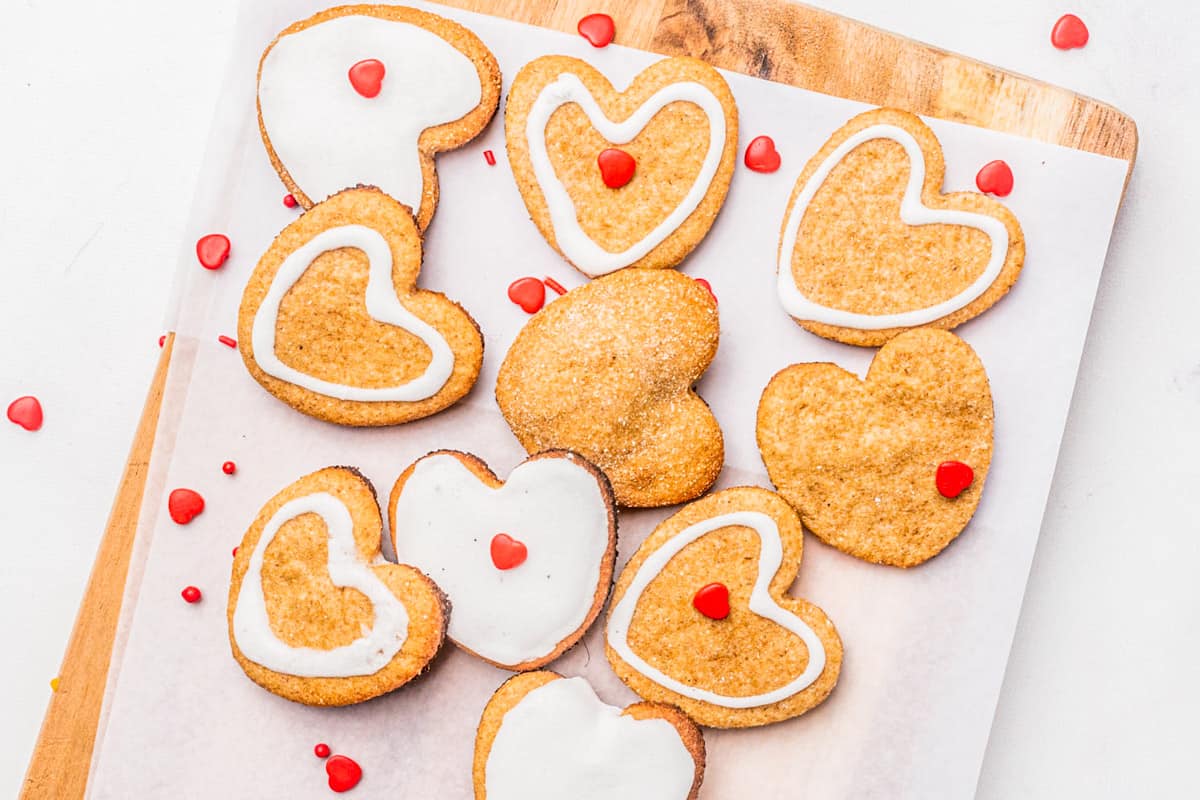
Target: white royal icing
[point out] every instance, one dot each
(912, 212)
(328, 136)
(560, 741)
(575, 244)
(770, 556)
(364, 656)
(382, 305)
(445, 520)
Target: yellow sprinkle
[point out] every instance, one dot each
(54, 684)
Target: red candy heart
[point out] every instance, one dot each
(995, 177)
(26, 412)
(367, 77)
(597, 29)
(616, 167)
(344, 773)
(1069, 32)
(184, 505)
(953, 478)
(708, 287)
(508, 552)
(761, 155)
(712, 601)
(528, 293)
(212, 250)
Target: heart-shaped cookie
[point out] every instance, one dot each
(526, 562)
(369, 94)
(678, 122)
(860, 459)
(315, 613)
(546, 737)
(607, 371)
(766, 657)
(870, 247)
(332, 323)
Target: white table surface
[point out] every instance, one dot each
(104, 113)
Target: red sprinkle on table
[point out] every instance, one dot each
(598, 29)
(322, 750)
(555, 285)
(227, 341)
(289, 201)
(367, 77)
(1069, 32)
(953, 478)
(162, 340)
(707, 286)
(712, 601)
(528, 293)
(489, 157)
(995, 177)
(27, 412)
(507, 552)
(191, 594)
(616, 167)
(212, 250)
(229, 468)
(761, 155)
(344, 773)
(235, 552)
(184, 505)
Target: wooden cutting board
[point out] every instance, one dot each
(771, 39)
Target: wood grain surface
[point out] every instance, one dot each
(771, 39)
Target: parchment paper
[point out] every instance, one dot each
(925, 648)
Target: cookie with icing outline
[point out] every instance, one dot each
(859, 458)
(308, 337)
(440, 88)
(309, 579)
(546, 737)
(608, 370)
(527, 561)
(678, 122)
(870, 246)
(763, 656)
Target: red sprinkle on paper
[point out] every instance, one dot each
(555, 285)
(1069, 32)
(162, 340)
(489, 157)
(598, 29)
(761, 155)
(712, 601)
(953, 478)
(289, 201)
(212, 250)
(344, 773)
(367, 77)
(995, 177)
(228, 342)
(191, 594)
(322, 750)
(184, 505)
(707, 286)
(528, 293)
(235, 552)
(616, 167)
(507, 552)
(27, 412)
(229, 468)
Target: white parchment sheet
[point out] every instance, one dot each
(925, 648)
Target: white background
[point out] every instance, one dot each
(105, 114)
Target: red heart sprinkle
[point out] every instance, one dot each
(229, 468)
(26, 412)
(708, 287)
(344, 773)
(761, 155)
(528, 293)
(995, 177)
(321, 750)
(289, 201)
(508, 552)
(235, 552)
(1069, 32)
(616, 167)
(183, 505)
(953, 478)
(162, 340)
(598, 29)
(712, 601)
(367, 77)
(212, 250)
(191, 594)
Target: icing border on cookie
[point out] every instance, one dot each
(364, 656)
(770, 557)
(912, 212)
(575, 244)
(382, 305)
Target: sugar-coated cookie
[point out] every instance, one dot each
(701, 618)
(871, 247)
(607, 371)
(866, 462)
(309, 338)
(315, 613)
(368, 94)
(526, 562)
(546, 737)
(617, 179)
